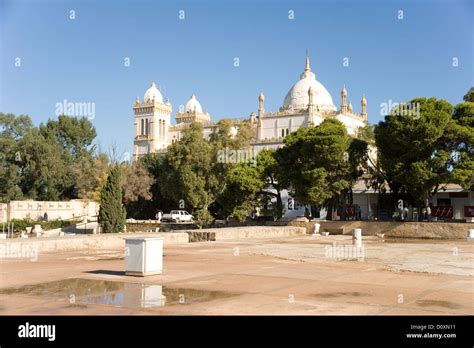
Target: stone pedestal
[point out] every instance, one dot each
(357, 237)
(37, 229)
(470, 234)
(143, 256)
(316, 228)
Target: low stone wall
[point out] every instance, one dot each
(246, 232)
(145, 226)
(395, 229)
(81, 242)
(201, 236)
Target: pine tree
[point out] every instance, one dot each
(112, 213)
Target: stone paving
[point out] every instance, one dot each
(300, 275)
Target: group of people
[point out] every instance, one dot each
(426, 214)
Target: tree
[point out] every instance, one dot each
(418, 150)
(44, 174)
(469, 96)
(112, 213)
(159, 169)
(12, 130)
(314, 164)
(269, 172)
(74, 135)
(136, 182)
(90, 175)
(242, 185)
(190, 177)
(462, 172)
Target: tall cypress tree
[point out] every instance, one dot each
(112, 213)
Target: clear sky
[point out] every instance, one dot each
(82, 59)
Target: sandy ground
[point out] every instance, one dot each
(293, 275)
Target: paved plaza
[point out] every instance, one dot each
(296, 275)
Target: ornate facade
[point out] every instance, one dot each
(307, 104)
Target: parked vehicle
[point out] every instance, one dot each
(177, 216)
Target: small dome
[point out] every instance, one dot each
(193, 105)
(153, 93)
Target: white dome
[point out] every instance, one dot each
(193, 105)
(153, 93)
(298, 97)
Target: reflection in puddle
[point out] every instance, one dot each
(120, 294)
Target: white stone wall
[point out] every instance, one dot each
(272, 126)
(3, 212)
(56, 210)
(351, 123)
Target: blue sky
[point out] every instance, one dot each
(82, 60)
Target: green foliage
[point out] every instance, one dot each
(74, 135)
(136, 182)
(315, 163)
(89, 175)
(112, 213)
(469, 96)
(12, 130)
(242, 184)
(22, 224)
(463, 170)
(464, 114)
(202, 218)
(421, 153)
(190, 175)
(45, 162)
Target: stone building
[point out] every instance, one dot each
(307, 104)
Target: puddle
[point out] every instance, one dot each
(338, 294)
(115, 293)
(436, 303)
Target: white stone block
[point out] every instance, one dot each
(357, 237)
(470, 234)
(316, 228)
(143, 256)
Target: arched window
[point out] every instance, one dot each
(282, 133)
(287, 131)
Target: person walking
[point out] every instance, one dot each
(428, 213)
(159, 215)
(358, 212)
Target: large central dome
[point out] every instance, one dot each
(298, 98)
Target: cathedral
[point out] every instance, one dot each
(307, 104)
